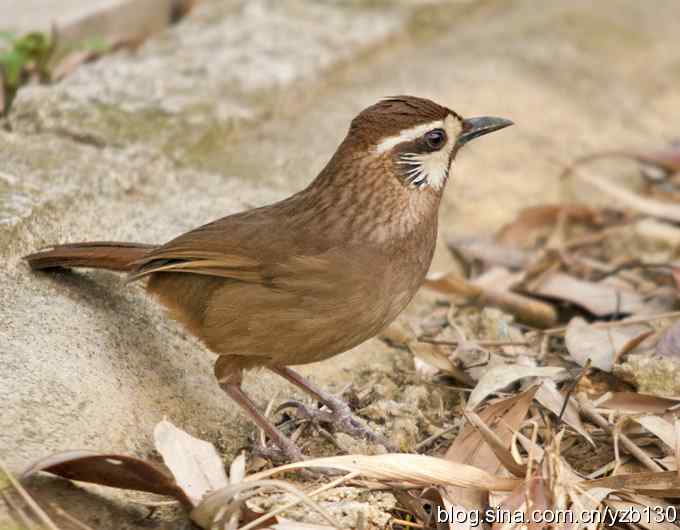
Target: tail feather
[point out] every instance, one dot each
(109, 255)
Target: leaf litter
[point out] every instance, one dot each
(544, 379)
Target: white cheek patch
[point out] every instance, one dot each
(432, 169)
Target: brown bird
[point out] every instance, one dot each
(313, 275)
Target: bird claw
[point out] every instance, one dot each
(340, 418)
(279, 455)
(313, 415)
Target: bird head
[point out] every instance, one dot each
(416, 139)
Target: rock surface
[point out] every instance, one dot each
(240, 104)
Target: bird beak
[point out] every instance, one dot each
(476, 127)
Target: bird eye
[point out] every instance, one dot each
(435, 139)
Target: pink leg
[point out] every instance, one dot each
(342, 417)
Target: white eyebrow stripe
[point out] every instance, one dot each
(407, 135)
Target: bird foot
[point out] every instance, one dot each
(339, 416)
(279, 455)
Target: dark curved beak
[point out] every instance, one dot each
(476, 127)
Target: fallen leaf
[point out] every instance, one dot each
(551, 399)
(287, 524)
(666, 159)
(633, 402)
(497, 445)
(538, 221)
(586, 502)
(500, 377)
(528, 310)
(602, 346)
(195, 464)
(425, 506)
(109, 469)
(661, 481)
(600, 298)
(504, 417)
(669, 343)
(489, 252)
(662, 210)
(660, 428)
(528, 499)
(438, 357)
(398, 333)
(653, 229)
(409, 469)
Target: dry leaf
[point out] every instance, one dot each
(411, 469)
(659, 481)
(499, 278)
(398, 333)
(600, 298)
(632, 402)
(497, 445)
(425, 506)
(669, 343)
(660, 428)
(195, 464)
(504, 417)
(602, 346)
(528, 310)
(588, 501)
(490, 252)
(538, 221)
(667, 159)
(624, 197)
(551, 399)
(287, 524)
(438, 357)
(528, 498)
(653, 229)
(109, 469)
(500, 377)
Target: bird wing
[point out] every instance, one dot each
(244, 246)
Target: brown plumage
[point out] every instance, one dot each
(315, 274)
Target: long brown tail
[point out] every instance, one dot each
(109, 255)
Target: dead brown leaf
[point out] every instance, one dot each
(195, 464)
(504, 418)
(599, 298)
(110, 469)
(528, 499)
(632, 402)
(602, 346)
(528, 310)
(659, 427)
(500, 377)
(669, 343)
(538, 222)
(489, 252)
(654, 208)
(406, 469)
(551, 399)
(438, 357)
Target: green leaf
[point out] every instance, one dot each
(13, 63)
(8, 36)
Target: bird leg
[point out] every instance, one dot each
(341, 416)
(230, 381)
